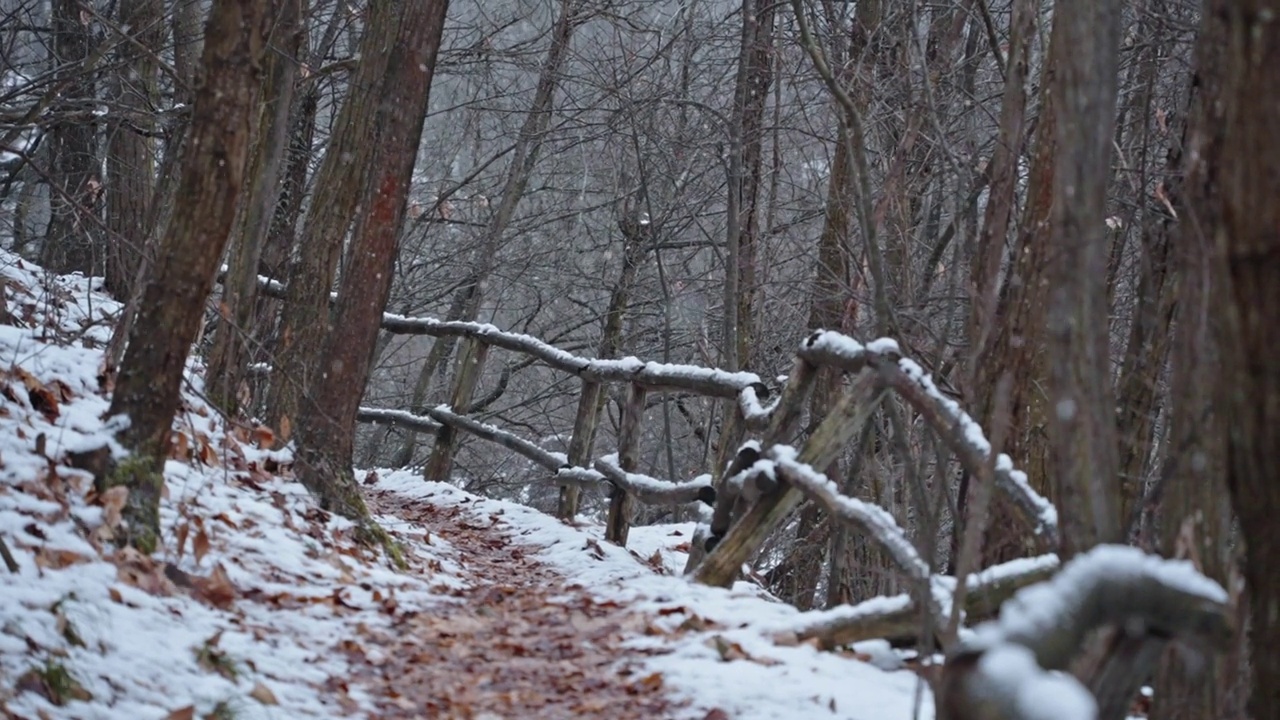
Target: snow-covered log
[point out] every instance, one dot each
(869, 520)
(851, 412)
(959, 431)
(898, 617)
(1003, 671)
(645, 489)
(651, 490)
(746, 387)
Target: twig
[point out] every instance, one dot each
(9, 562)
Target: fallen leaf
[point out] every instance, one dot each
(200, 543)
(180, 535)
(42, 398)
(186, 713)
(264, 437)
(263, 694)
(113, 501)
(56, 559)
(217, 589)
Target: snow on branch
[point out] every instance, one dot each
(1005, 670)
(745, 387)
(897, 617)
(1109, 585)
(652, 491)
(646, 489)
(871, 520)
(957, 429)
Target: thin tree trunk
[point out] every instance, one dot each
(234, 340)
(1248, 238)
(326, 432)
(72, 242)
(524, 157)
(1002, 539)
(1082, 423)
(130, 149)
(168, 318)
(636, 242)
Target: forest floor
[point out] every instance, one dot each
(262, 605)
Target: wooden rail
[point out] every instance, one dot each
(765, 479)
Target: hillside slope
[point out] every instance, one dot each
(261, 605)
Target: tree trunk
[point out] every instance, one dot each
(1007, 317)
(524, 157)
(234, 339)
(326, 430)
(73, 240)
(637, 240)
(168, 318)
(340, 183)
(751, 94)
(1082, 417)
(1196, 519)
(130, 149)
(1248, 238)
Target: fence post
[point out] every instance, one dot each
(628, 459)
(470, 366)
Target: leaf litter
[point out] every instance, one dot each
(262, 605)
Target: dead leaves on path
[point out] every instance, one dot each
(519, 641)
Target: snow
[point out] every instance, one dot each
(134, 637)
(1010, 671)
(767, 681)
(73, 600)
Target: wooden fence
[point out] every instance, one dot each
(767, 477)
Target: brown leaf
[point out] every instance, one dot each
(56, 559)
(42, 398)
(200, 543)
(114, 594)
(263, 694)
(716, 714)
(286, 429)
(264, 437)
(112, 502)
(134, 568)
(180, 535)
(216, 590)
(186, 713)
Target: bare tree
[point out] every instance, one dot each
(1244, 230)
(327, 425)
(168, 318)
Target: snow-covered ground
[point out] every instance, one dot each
(245, 610)
(734, 661)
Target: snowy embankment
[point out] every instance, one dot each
(245, 611)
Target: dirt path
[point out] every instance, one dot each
(518, 643)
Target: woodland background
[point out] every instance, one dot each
(1066, 212)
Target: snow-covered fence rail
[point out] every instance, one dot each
(766, 479)
(1006, 669)
(646, 489)
(747, 388)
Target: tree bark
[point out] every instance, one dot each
(130, 149)
(234, 339)
(306, 320)
(69, 243)
(1248, 239)
(327, 428)
(168, 318)
(1082, 423)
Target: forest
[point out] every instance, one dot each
(943, 324)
